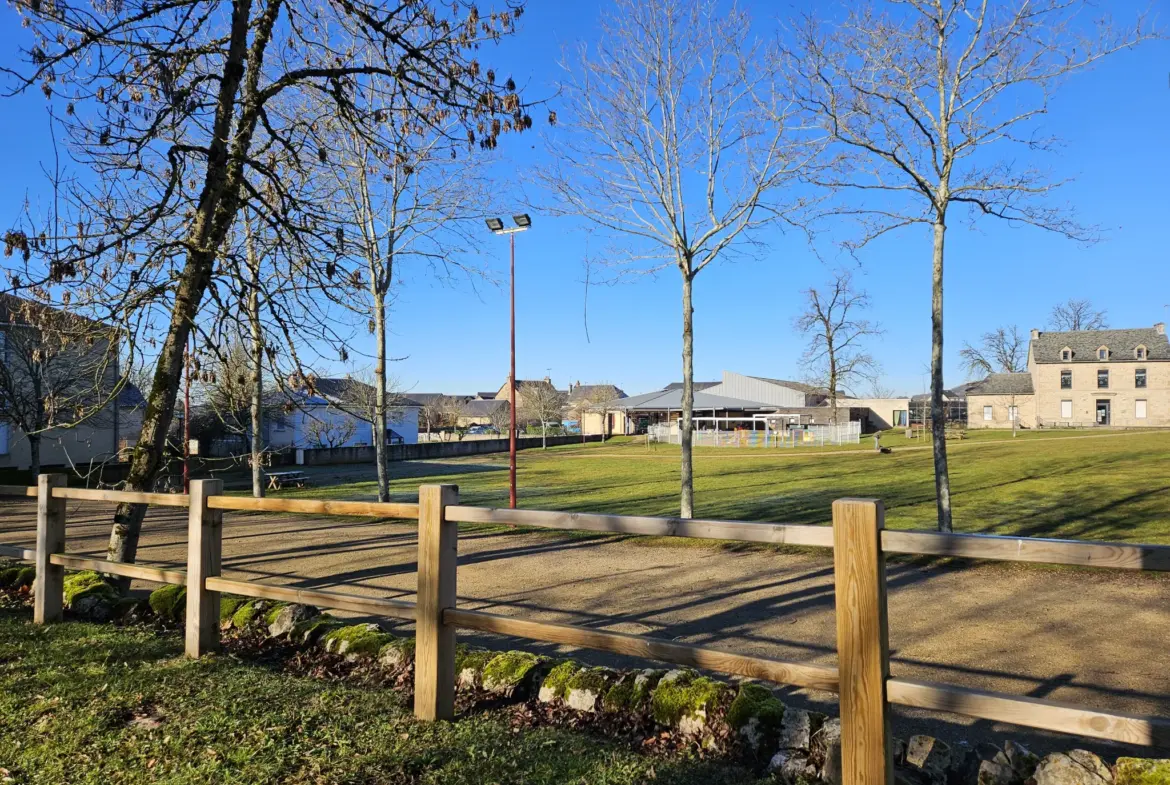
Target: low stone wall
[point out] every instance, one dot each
(422, 451)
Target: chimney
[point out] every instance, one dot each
(1161, 328)
(1035, 334)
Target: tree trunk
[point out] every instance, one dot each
(380, 419)
(219, 203)
(257, 387)
(543, 434)
(942, 479)
(34, 455)
(686, 467)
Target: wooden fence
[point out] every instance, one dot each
(858, 539)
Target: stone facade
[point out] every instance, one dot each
(1083, 379)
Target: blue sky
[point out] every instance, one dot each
(1114, 121)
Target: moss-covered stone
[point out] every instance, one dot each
(398, 653)
(274, 611)
(169, 602)
(357, 639)
(80, 585)
(1142, 771)
(312, 630)
(507, 673)
(247, 613)
(587, 687)
(228, 605)
(469, 665)
(8, 576)
(556, 684)
(25, 578)
(685, 700)
(756, 714)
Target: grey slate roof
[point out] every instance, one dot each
(1003, 384)
(586, 391)
(481, 408)
(1084, 345)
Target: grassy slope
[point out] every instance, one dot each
(69, 694)
(1110, 487)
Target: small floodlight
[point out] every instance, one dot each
(495, 224)
(522, 220)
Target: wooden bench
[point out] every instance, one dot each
(278, 480)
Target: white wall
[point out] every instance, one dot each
(735, 385)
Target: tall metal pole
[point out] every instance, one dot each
(512, 386)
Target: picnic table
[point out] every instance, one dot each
(278, 480)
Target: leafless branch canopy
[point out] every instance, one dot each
(1005, 350)
(1075, 314)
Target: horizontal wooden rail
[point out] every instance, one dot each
(129, 497)
(774, 533)
(818, 677)
(13, 552)
(374, 606)
(1084, 553)
(18, 490)
(139, 571)
(315, 506)
(1031, 712)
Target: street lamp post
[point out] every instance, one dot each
(523, 222)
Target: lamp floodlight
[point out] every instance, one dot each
(495, 224)
(522, 220)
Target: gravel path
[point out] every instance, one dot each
(1093, 638)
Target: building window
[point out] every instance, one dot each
(1013, 413)
(1139, 409)
(1139, 378)
(1103, 353)
(1140, 353)
(1066, 380)
(1066, 354)
(1102, 380)
(900, 418)
(986, 412)
(1066, 410)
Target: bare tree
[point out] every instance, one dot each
(434, 414)
(1076, 314)
(57, 370)
(330, 431)
(1004, 350)
(545, 403)
(409, 204)
(879, 389)
(589, 401)
(834, 321)
(177, 109)
(677, 144)
(919, 97)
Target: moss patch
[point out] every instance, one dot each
(755, 702)
(358, 639)
(312, 630)
(398, 653)
(78, 585)
(556, 683)
(469, 664)
(228, 605)
(595, 680)
(688, 695)
(273, 612)
(1142, 771)
(507, 670)
(247, 613)
(169, 602)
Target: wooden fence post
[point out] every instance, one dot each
(438, 549)
(204, 546)
(49, 584)
(863, 650)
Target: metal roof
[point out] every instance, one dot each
(672, 399)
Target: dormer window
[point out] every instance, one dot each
(1103, 353)
(1066, 354)
(1139, 353)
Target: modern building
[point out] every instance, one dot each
(1081, 378)
(336, 413)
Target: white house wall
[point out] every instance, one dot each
(748, 388)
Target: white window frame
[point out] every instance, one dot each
(1140, 353)
(1013, 413)
(1065, 354)
(987, 413)
(1103, 353)
(1139, 409)
(1066, 410)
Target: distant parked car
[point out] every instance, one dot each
(482, 430)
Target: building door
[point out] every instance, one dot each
(1103, 411)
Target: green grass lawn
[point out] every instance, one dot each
(1043, 484)
(84, 703)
